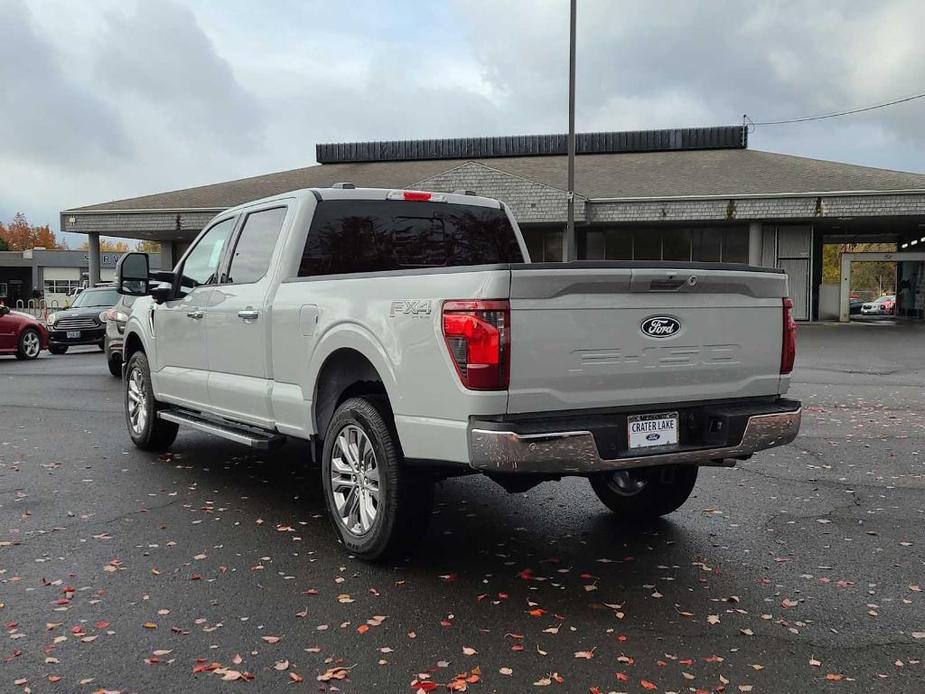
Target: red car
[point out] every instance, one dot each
(21, 334)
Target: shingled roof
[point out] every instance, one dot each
(720, 172)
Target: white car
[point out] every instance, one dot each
(885, 305)
(408, 336)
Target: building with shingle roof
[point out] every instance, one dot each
(678, 194)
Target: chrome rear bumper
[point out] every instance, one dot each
(575, 452)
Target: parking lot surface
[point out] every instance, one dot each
(214, 569)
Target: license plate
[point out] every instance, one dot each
(73, 334)
(649, 430)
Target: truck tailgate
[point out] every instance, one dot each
(577, 337)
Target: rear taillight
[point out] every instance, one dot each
(788, 350)
(478, 336)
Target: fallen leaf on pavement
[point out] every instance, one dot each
(334, 673)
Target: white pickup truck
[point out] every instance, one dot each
(407, 335)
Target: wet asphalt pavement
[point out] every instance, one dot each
(802, 570)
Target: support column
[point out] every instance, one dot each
(168, 256)
(844, 305)
(754, 243)
(93, 245)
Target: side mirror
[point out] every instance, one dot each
(4, 309)
(132, 273)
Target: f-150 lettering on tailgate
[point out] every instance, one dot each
(676, 356)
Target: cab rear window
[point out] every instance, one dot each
(350, 236)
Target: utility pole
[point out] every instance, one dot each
(570, 247)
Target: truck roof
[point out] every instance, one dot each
(342, 192)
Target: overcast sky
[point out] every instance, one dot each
(107, 99)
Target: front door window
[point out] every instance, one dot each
(201, 265)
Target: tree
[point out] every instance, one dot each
(19, 235)
(148, 247)
(107, 246)
(3, 245)
(870, 278)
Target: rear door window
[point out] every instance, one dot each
(349, 236)
(251, 258)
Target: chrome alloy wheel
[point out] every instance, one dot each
(627, 482)
(355, 480)
(31, 345)
(137, 402)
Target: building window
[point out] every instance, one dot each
(676, 244)
(619, 245)
(595, 245)
(704, 244)
(544, 245)
(735, 246)
(647, 244)
(707, 245)
(60, 286)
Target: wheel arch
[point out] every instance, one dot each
(345, 373)
(130, 345)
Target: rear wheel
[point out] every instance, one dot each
(645, 492)
(148, 431)
(30, 344)
(378, 506)
(57, 349)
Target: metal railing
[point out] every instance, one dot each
(37, 308)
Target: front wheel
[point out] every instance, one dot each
(30, 344)
(57, 349)
(148, 431)
(645, 493)
(115, 365)
(378, 506)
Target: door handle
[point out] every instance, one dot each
(248, 314)
(195, 314)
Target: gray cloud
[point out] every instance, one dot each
(162, 95)
(46, 116)
(663, 63)
(159, 54)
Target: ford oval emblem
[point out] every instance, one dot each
(653, 437)
(660, 326)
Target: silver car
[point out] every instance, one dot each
(884, 306)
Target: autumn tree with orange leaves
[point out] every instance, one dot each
(107, 246)
(19, 235)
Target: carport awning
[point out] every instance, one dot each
(150, 225)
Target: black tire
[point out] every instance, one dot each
(102, 346)
(29, 345)
(115, 365)
(645, 493)
(153, 434)
(57, 349)
(404, 497)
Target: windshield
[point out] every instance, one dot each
(96, 298)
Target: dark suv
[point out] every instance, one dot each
(80, 324)
(116, 318)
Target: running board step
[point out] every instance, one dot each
(255, 438)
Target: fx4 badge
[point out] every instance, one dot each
(410, 307)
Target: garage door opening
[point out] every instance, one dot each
(897, 280)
